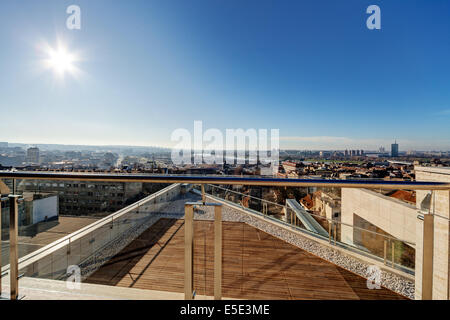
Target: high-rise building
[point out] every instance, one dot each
(33, 155)
(394, 149)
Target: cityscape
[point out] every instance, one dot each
(324, 173)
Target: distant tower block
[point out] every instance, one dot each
(394, 149)
(33, 155)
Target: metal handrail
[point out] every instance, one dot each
(231, 180)
(246, 195)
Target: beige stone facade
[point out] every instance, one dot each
(394, 216)
(438, 204)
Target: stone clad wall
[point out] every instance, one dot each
(392, 215)
(440, 206)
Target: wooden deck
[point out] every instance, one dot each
(256, 265)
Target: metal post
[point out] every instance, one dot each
(427, 257)
(393, 253)
(188, 251)
(329, 231)
(218, 252)
(335, 233)
(0, 248)
(13, 254)
(203, 194)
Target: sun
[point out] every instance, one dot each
(60, 60)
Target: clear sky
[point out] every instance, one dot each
(309, 68)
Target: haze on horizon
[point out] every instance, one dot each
(309, 68)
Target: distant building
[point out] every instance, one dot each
(34, 209)
(11, 161)
(86, 198)
(33, 155)
(322, 203)
(291, 168)
(394, 149)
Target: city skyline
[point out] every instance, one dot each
(311, 69)
(70, 147)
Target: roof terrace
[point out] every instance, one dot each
(265, 250)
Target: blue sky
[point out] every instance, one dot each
(309, 68)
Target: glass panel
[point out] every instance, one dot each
(336, 211)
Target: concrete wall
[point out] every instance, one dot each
(440, 206)
(392, 215)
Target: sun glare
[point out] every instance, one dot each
(61, 61)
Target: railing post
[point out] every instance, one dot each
(188, 251)
(330, 227)
(427, 257)
(291, 216)
(218, 252)
(203, 193)
(13, 254)
(0, 248)
(335, 233)
(393, 252)
(385, 251)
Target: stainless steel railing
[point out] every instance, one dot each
(230, 180)
(13, 245)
